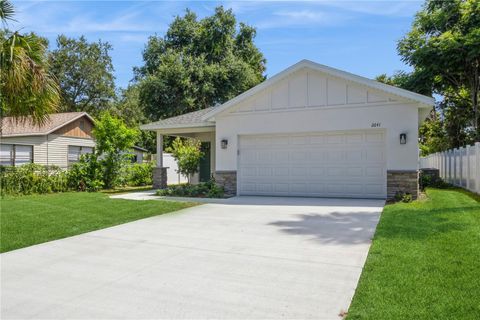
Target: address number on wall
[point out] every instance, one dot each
(376, 125)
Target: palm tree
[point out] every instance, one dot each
(27, 88)
(6, 11)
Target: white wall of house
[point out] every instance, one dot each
(310, 101)
(173, 177)
(50, 149)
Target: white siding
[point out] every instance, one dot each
(332, 104)
(38, 143)
(51, 149)
(58, 148)
(310, 89)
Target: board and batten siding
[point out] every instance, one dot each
(50, 149)
(309, 101)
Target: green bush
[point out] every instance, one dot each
(86, 175)
(427, 180)
(403, 197)
(139, 174)
(201, 190)
(32, 178)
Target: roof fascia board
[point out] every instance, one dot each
(153, 127)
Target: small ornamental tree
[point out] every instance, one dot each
(114, 140)
(187, 153)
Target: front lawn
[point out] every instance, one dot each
(424, 262)
(29, 220)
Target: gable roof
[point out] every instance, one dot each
(191, 119)
(422, 100)
(12, 127)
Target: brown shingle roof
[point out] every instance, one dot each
(25, 127)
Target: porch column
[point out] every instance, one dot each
(159, 150)
(159, 172)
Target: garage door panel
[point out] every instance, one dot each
(341, 164)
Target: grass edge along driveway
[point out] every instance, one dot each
(424, 262)
(34, 219)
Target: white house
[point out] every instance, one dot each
(310, 130)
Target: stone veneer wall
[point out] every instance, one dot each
(228, 180)
(405, 181)
(159, 178)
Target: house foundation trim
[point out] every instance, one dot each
(402, 181)
(227, 180)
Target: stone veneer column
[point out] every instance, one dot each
(160, 177)
(404, 181)
(227, 180)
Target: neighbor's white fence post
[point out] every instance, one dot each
(467, 162)
(459, 166)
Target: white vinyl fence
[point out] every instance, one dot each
(173, 177)
(460, 167)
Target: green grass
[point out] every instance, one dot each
(424, 262)
(126, 189)
(29, 220)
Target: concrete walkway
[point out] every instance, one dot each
(251, 258)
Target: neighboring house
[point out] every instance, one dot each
(138, 154)
(310, 130)
(60, 141)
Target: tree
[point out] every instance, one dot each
(85, 73)
(114, 141)
(127, 107)
(188, 154)
(6, 11)
(445, 44)
(416, 81)
(27, 88)
(197, 64)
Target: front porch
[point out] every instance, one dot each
(207, 164)
(188, 125)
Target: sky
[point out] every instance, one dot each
(355, 36)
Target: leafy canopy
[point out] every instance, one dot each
(113, 141)
(444, 44)
(197, 64)
(85, 73)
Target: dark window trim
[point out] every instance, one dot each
(13, 156)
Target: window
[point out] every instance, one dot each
(82, 125)
(15, 154)
(75, 152)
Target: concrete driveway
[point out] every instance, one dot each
(248, 258)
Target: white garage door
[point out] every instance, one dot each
(337, 164)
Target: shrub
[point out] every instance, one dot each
(139, 174)
(403, 197)
(113, 142)
(86, 175)
(429, 180)
(32, 178)
(202, 190)
(188, 155)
